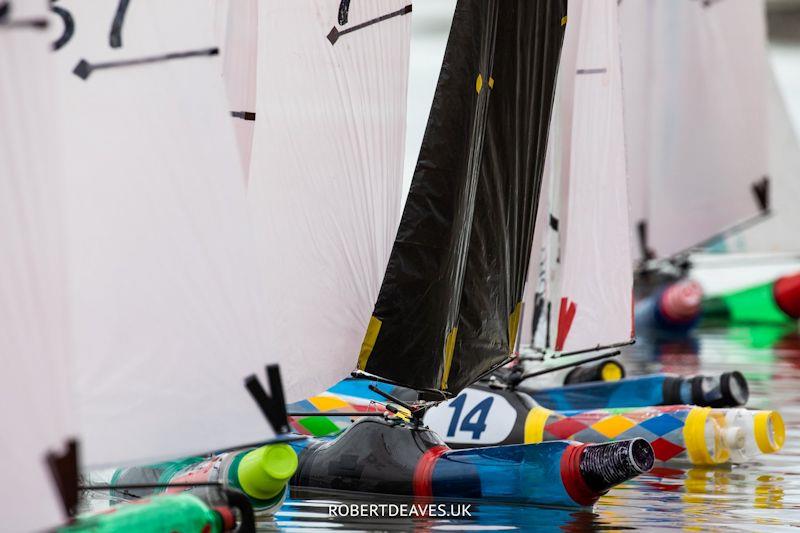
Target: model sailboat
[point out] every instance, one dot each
(153, 261)
(449, 306)
(701, 163)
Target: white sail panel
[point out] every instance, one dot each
(167, 311)
(594, 307)
(695, 106)
(239, 42)
(34, 403)
(326, 174)
(778, 233)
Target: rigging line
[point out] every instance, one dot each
(544, 351)
(84, 69)
(135, 486)
(336, 413)
(731, 230)
(568, 365)
(335, 33)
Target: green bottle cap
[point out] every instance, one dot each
(264, 472)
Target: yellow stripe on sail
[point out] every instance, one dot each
(449, 346)
(370, 337)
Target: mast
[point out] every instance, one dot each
(326, 174)
(449, 306)
(166, 307)
(587, 304)
(36, 414)
(697, 147)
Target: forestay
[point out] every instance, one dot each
(167, 309)
(588, 298)
(34, 403)
(326, 174)
(696, 116)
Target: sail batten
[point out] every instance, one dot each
(450, 296)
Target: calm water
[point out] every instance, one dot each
(762, 495)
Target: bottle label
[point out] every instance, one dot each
(203, 472)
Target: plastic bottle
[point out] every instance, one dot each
(261, 474)
(728, 389)
(676, 307)
(699, 435)
(776, 301)
(181, 513)
(609, 370)
(391, 457)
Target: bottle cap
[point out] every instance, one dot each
(612, 371)
(787, 295)
(264, 472)
(735, 391)
(698, 448)
(769, 430)
(680, 302)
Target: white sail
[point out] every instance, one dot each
(34, 403)
(779, 232)
(326, 174)
(589, 283)
(167, 311)
(695, 109)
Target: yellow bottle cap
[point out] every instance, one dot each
(611, 371)
(769, 430)
(694, 436)
(264, 472)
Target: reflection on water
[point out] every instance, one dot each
(761, 495)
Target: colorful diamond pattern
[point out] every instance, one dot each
(564, 428)
(613, 426)
(662, 424)
(665, 450)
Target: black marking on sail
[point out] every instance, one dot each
(344, 11)
(69, 26)
(84, 69)
(7, 23)
(244, 115)
(64, 470)
(553, 223)
(644, 248)
(334, 34)
(115, 36)
(273, 407)
(591, 70)
(761, 192)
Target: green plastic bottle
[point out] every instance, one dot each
(178, 513)
(776, 301)
(261, 474)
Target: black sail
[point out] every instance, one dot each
(449, 306)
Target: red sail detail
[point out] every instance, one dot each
(566, 314)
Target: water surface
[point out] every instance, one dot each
(763, 495)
